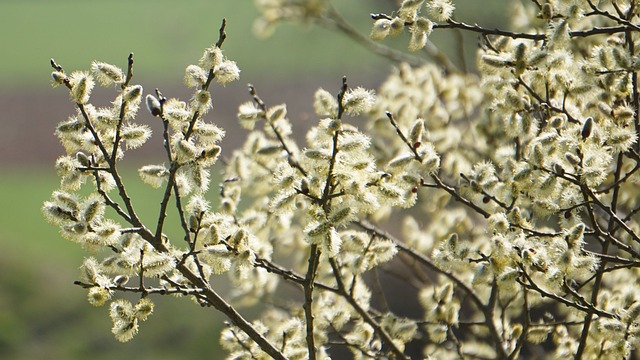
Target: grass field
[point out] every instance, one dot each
(46, 316)
(164, 35)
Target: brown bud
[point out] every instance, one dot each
(587, 127)
(304, 186)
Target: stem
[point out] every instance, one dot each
(594, 298)
(597, 11)
(221, 305)
(132, 217)
(123, 103)
(312, 270)
(365, 315)
(451, 24)
(485, 309)
(586, 308)
(172, 171)
(171, 185)
(603, 263)
(292, 159)
(452, 191)
(334, 19)
(286, 274)
(314, 252)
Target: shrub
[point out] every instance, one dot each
(515, 190)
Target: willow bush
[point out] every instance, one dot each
(515, 191)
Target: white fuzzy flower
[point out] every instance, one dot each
(226, 72)
(81, 85)
(357, 101)
(440, 10)
(107, 74)
(195, 76)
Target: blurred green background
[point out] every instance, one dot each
(44, 316)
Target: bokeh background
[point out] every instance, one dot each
(42, 314)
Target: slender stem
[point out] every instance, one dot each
(451, 24)
(452, 191)
(141, 273)
(594, 298)
(171, 178)
(123, 106)
(222, 35)
(111, 162)
(619, 20)
(286, 274)
(439, 183)
(309, 284)
(386, 338)
(276, 131)
(221, 305)
(181, 215)
(171, 184)
(314, 256)
(114, 205)
(586, 308)
(486, 310)
(603, 262)
(612, 215)
(334, 19)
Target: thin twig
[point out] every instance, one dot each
(291, 156)
(386, 338)
(485, 309)
(333, 19)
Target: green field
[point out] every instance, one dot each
(44, 315)
(165, 36)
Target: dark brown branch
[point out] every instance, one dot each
(586, 309)
(475, 299)
(386, 338)
(333, 19)
(619, 20)
(222, 35)
(451, 24)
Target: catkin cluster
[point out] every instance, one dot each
(511, 195)
(549, 162)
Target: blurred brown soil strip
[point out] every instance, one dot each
(29, 118)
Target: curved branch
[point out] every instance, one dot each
(486, 310)
(335, 20)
